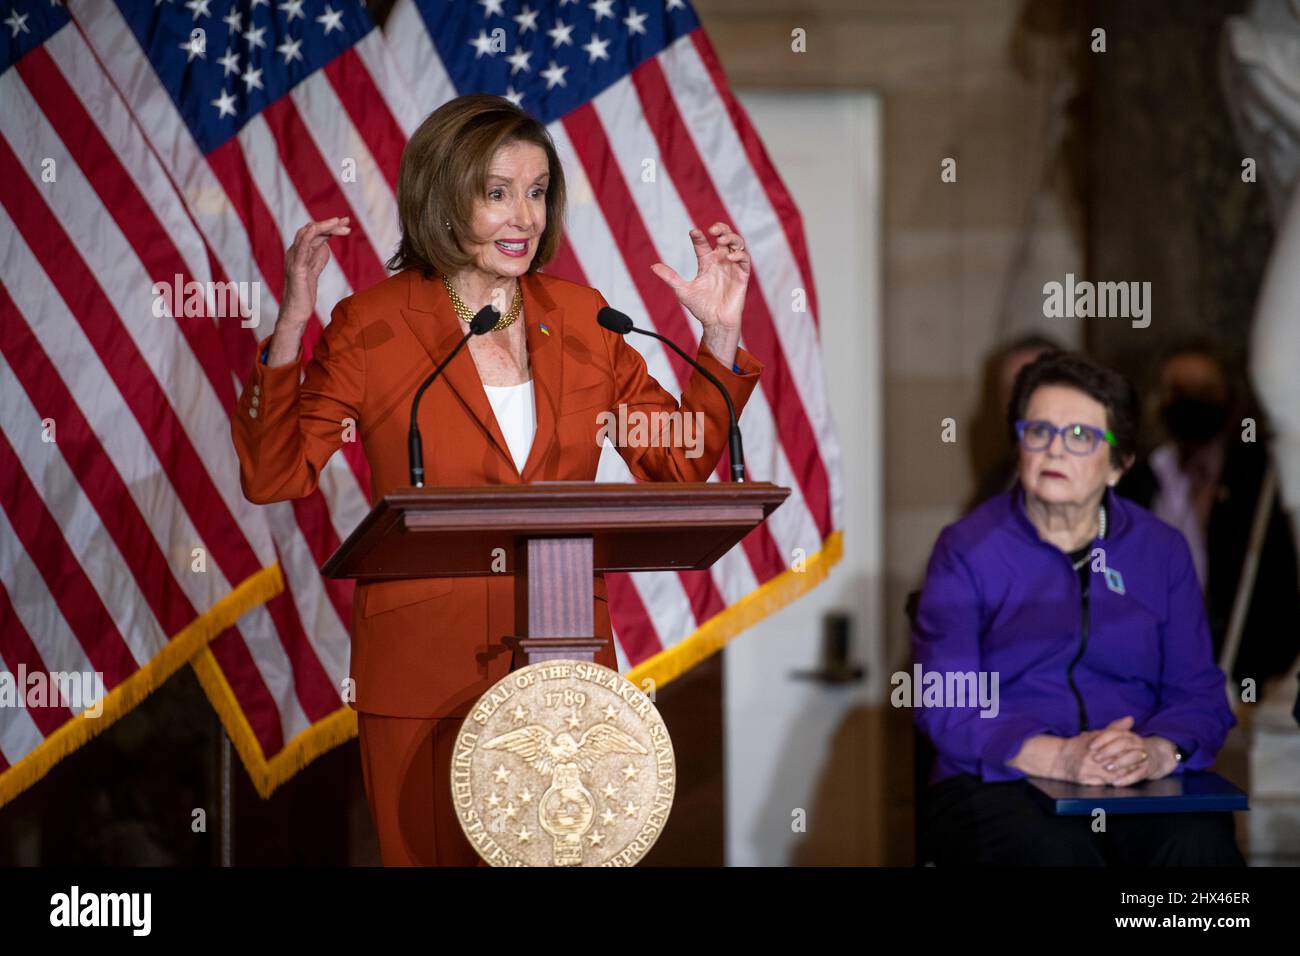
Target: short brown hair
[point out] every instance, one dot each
(1111, 389)
(444, 169)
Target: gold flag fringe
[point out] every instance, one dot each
(191, 639)
(325, 734)
(341, 725)
(713, 634)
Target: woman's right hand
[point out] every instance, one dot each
(1074, 761)
(1060, 758)
(304, 261)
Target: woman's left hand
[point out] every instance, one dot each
(1131, 758)
(716, 296)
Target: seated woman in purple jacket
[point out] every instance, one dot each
(1083, 614)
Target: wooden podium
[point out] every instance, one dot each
(553, 537)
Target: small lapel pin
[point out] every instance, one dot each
(541, 327)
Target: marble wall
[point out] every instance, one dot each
(984, 84)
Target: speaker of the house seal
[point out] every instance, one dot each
(563, 763)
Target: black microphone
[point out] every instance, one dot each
(482, 322)
(619, 323)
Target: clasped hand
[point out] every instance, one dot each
(1113, 756)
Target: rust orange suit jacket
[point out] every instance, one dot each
(430, 647)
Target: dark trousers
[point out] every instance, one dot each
(969, 822)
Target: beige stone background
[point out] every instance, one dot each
(1111, 165)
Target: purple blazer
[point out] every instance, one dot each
(999, 599)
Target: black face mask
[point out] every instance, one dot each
(1194, 421)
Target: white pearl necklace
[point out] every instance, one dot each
(1101, 533)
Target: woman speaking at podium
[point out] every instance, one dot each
(481, 199)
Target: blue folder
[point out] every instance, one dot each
(1190, 792)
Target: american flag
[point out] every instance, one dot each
(205, 134)
(267, 116)
(192, 139)
(127, 545)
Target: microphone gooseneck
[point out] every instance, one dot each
(618, 323)
(482, 322)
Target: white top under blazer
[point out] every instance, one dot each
(516, 413)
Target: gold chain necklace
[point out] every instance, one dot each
(462, 310)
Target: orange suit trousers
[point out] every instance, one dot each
(406, 763)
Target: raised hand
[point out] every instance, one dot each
(716, 296)
(304, 261)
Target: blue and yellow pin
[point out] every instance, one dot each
(1115, 580)
(541, 327)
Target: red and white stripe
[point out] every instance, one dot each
(247, 199)
(98, 529)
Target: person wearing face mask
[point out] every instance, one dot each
(481, 201)
(1205, 480)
